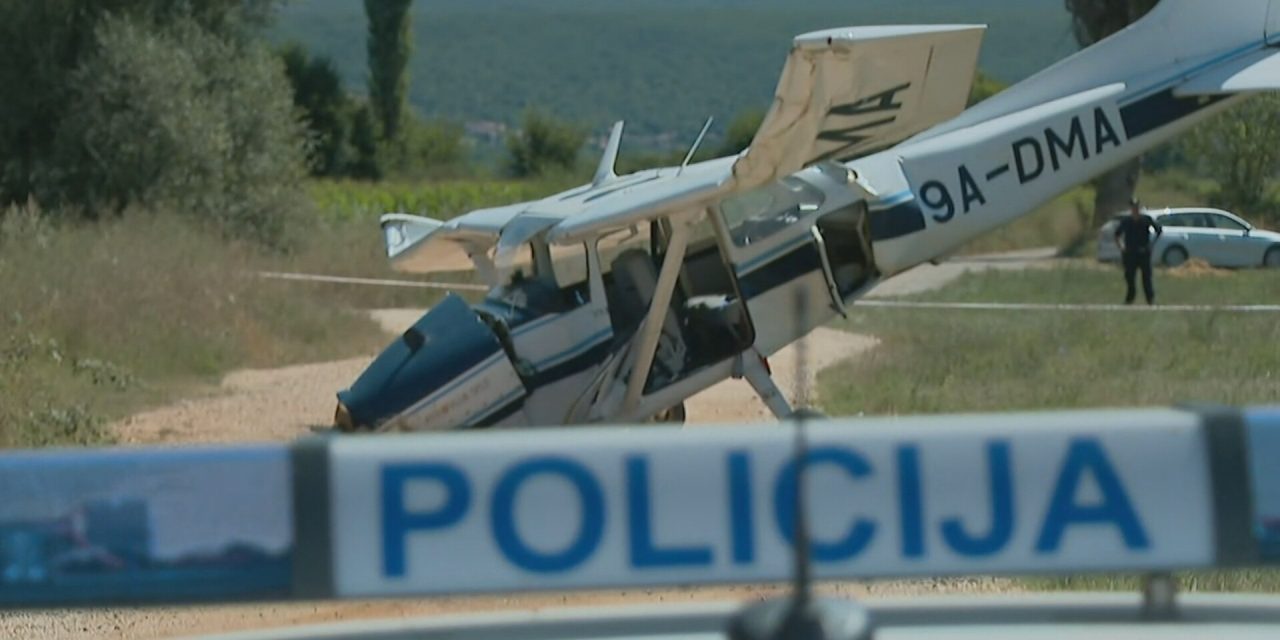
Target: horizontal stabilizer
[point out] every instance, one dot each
(847, 93)
(407, 239)
(1259, 71)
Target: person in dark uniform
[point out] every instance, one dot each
(1133, 236)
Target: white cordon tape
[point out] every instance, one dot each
(309, 277)
(1003, 306)
(883, 304)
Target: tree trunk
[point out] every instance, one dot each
(1114, 191)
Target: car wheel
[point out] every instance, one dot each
(1174, 257)
(1272, 258)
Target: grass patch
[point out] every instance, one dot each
(981, 361)
(949, 361)
(101, 320)
(1087, 282)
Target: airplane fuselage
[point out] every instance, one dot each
(960, 185)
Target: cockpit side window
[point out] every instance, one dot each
(570, 271)
(539, 279)
(755, 215)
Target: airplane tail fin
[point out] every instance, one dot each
(1187, 47)
(605, 171)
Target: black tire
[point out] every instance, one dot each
(673, 415)
(1174, 257)
(1271, 259)
(808, 414)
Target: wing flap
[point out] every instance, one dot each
(1258, 71)
(846, 93)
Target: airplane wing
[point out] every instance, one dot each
(847, 93)
(844, 93)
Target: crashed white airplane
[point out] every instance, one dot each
(618, 300)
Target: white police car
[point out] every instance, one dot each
(1219, 238)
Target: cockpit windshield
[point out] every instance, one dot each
(533, 278)
(757, 214)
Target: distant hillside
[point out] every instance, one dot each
(663, 65)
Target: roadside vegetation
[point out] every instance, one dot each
(102, 319)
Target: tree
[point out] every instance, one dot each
(1094, 20)
(1238, 150)
(364, 140)
(318, 93)
(543, 144)
(43, 43)
(390, 45)
(180, 119)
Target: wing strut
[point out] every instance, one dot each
(651, 330)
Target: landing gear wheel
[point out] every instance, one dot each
(1174, 257)
(674, 415)
(1272, 259)
(808, 414)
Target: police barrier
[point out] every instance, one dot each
(1042, 493)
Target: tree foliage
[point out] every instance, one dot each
(1239, 150)
(181, 119)
(390, 44)
(326, 109)
(154, 103)
(43, 43)
(543, 145)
